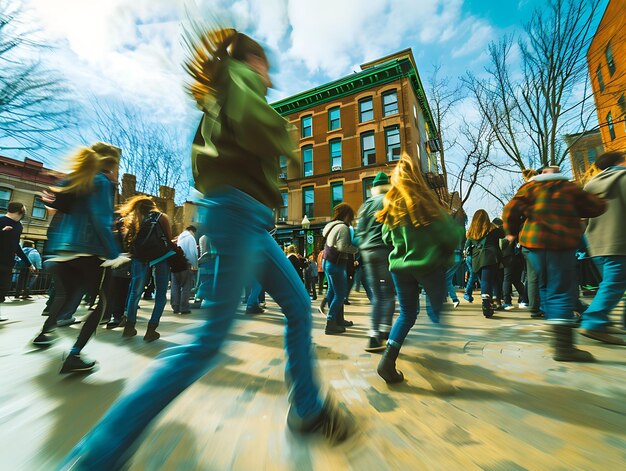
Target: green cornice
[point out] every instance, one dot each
(379, 75)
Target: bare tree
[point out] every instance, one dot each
(152, 151)
(529, 110)
(34, 104)
(442, 96)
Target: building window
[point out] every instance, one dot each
(608, 53)
(334, 118)
(622, 105)
(366, 110)
(600, 78)
(307, 126)
(335, 154)
(392, 142)
(367, 187)
(283, 167)
(5, 198)
(390, 103)
(368, 148)
(282, 211)
(591, 155)
(307, 160)
(609, 121)
(39, 210)
(336, 194)
(308, 200)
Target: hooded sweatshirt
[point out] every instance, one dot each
(605, 234)
(187, 242)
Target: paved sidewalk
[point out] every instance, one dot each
(480, 394)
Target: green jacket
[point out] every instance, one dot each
(368, 230)
(240, 137)
(422, 249)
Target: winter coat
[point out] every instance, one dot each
(187, 242)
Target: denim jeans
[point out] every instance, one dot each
(138, 276)
(237, 226)
(532, 284)
(556, 272)
(380, 285)
(610, 292)
(253, 299)
(337, 288)
(182, 282)
(471, 279)
(408, 287)
(450, 272)
(488, 279)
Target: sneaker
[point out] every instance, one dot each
(255, 310)
(536, 314)
(346, 323)
(66, 322)
(522, 305)
(346, 303)
(185, 312)
(374, 345)
(75, 364)
(456, 303)
(468, 298)
(331, 423)
(3, 319)
(508, 307)
(44, 340)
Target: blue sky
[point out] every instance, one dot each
(130, 50)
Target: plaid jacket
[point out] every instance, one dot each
(546, 213)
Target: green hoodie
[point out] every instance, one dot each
(422, 249)
(240, 137)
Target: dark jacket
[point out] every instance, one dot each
(10, 243)
(485, 251)
(369, 231)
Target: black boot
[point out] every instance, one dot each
(387, 366)
(151, 333)
(487, 306)
(333, 328)
(129, 329)
(564, 349)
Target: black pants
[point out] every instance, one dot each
(21, 288)
(513, 277)
(6, 273)
(116, 289)
(75, 278)
(309, 284)
(320, 282)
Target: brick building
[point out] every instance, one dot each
(606, 59)
(583, 150)
(348, 131)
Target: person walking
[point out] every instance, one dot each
(310, 277)
(338, 249)
(460, 219)
(483, 242)
(550, 209)
(10, 233)
(320, 273)
(148, 237)
(235, 162)
(606, 239)
(183, 281)
(423, 237)
(375, 257)
(298, 262)
(27, 277)
(81, 241)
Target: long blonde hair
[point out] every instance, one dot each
(86, 163)
(207, 51)
(133, 212)
(410, 199)
(480, 226)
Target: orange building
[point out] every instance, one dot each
(606, 59)
(349, 130)
(583, 150)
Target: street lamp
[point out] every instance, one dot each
(306, 224)
(308, 236)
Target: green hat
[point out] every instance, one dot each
(381, 179)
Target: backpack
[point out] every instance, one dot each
(150, 242)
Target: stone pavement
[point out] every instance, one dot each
(480, 394)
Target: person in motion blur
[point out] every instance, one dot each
(183, 281)
(235, 160)
(424, 237)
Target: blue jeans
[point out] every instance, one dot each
(556, 272)
(471, 279)
(337, 277)
(450, 272)
(237, 226)
(252, 301)
(610, 292)
(378, 280)
(408, 287)
(488, 279)
(138, 276)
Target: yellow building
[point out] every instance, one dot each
(606, 59)
(583, 150)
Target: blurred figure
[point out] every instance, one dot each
(82, 239)
(235, 162)
(532, 279)
(183, 281)
(27, 277)
(460, 219)
(320, 273)
(375, 256)
(423, 237)
(147, 235)
(550, 209)
(483, 242)
(116, 285)
(310, 277)
(337, 250)
(298, 262)
(10, 233)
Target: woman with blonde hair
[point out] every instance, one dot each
(147, 236)
(80, 241)
(235, 162)
(483, 243)
(424, 237)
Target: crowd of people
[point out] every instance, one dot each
(408, 246)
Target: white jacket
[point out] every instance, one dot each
(187, 242)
